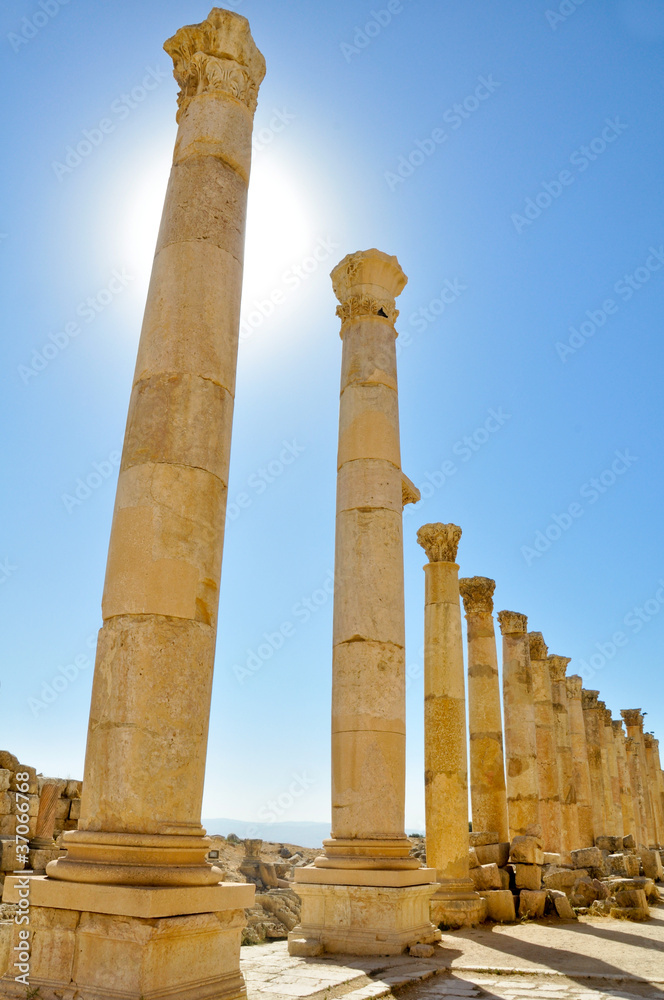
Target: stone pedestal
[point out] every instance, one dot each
(455, 902)
(488, 793)
(580, 766)
(520, 730)
(570, 821)
(140, 828)
(591, 722)
(368, 661)
(547, 755)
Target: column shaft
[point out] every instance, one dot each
(520, 730)
(487, 764)
(547, 757)
(570, 820)
(614, 776)
(626, 800)
(594, 746)
(581, 768)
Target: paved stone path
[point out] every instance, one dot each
(589, 960)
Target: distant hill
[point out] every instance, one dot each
(302, 834)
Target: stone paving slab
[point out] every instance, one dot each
(592, 959)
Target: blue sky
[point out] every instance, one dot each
(510, 156)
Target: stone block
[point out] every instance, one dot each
(454, 913)
(8, 861)
(602, 889)
(628, 842)
(18, 805)
(616, 863)
(6, 803)
(564, 879)
(5, 777)
(75, 809)
(587, 857)
(528, 877)
(632, 897)
(6, 938)
(526, 851)
(472, 858)
(33, 785)
(486, 877)
(73, 789)
(482, 839)
(62, 809)
(421, 951)
(7, 825)
(499, 905)
(506, 881)
(493, 854)
(39, 858)
(629, 913)
(611, 844)
(632, 865)
(561, 904)
(584, 893)
(532, 903)
(552, 859)
(652, 865)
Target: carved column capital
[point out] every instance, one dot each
(217, 56)
(440, 541)
(589, 699)
(574, 685)
(477, 594)
(618, 726)
(648, 741)
(632, 716)
(511, 622)
(558, 667)
(538, 648)
(367, 284)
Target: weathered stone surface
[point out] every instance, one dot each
(486, 877)
(587, 857)
(561, 904)
(526, 850)
(611, 844)
(628, 842)
(551, 858)
(629, 913)
(528, 877)
(652, 865)
(483, 839)
(563, 879)
(496, 854)
(499, 905)
(632, 897)
(532, 903)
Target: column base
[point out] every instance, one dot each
(456, 904)
(370, 916)
(385, 854)
(120, 943)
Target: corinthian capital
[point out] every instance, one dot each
(632, 716)
(589, 699)
(512, 622)
(367, 284)
(477, 594)
(440, 541)
(217, 56)
(558, 667)
(574, 684)
(538, 648)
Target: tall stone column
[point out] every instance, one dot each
(520, 730)
(581, 768)
(614, 775)
(634, 722)
(633, 767)
(653, 785)
(547, 756)
(659, 785)
(455, 902)
(488, 794)
(607, 785)
(593, 742)
(626, 801)
(366, 894)
(140, 850)
(570, 819)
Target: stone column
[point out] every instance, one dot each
(593, 742)
(368, 850)
(614, 775)
(659, 785)
(634, 721)
(570, 819)
(581, 769)
(626, 800)
(609, 803)
(653, 785)
(632, 752)
(487, 765)
(520, 730)
(42, 847)
(140, 823)
(547, 756)
(455, 902)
